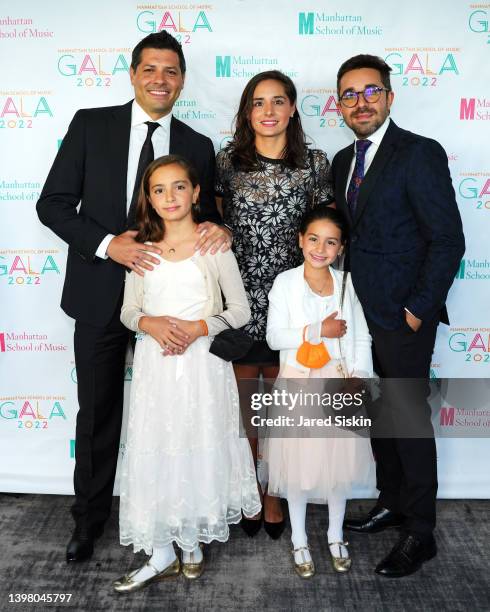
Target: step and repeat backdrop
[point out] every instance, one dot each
(56, 58)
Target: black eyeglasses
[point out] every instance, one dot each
(370, 95)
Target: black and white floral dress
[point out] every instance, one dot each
(264, 208)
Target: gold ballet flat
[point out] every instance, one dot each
(193, 570)
(306, 569)
(340, 564)
(127, 584)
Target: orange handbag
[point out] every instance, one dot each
(312, 355)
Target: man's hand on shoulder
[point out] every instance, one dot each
(133, 255)
(212, 238)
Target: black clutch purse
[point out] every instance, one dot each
(230, 344)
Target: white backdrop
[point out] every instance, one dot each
(57, 58)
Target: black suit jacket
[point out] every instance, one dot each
(90, 169)
(406, 239)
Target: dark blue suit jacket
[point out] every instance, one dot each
(406, 239)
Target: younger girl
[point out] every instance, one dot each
(186, 474)
(305, 302)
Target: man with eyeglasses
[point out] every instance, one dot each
(406, 243)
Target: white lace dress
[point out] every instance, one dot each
(186, 473)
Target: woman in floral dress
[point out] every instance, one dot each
(266, 179)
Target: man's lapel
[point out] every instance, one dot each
(383, 154)
(117, 140)
(344, 162)
(178, 145)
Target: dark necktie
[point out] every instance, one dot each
(357, 175)
(147, 155)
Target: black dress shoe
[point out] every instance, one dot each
(407, 556)
(251, 526)
(81, 545)
(274, 530)
(377, 520)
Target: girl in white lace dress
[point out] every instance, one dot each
(186, 473)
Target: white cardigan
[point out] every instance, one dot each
(222, 276)
(288, 316)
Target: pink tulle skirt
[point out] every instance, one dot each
(315, 466)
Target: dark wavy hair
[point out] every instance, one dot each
(158, 40)
(242, 147)
(150, 225)
(365, 61)
(329, 214)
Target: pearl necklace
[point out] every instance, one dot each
(171, 249)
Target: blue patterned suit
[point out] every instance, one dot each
(405, 246)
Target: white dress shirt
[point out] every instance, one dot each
(161, 144)
(375, 139)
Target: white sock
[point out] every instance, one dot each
(336, 512)
(297, 517)
(196, 555)
(160, 559)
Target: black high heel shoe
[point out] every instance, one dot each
(251, 526)
(274, 530)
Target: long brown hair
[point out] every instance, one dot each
(242, 146)
(151, 226)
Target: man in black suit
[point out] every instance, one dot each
(406, 243)
(99, 166)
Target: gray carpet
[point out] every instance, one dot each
(244, 574)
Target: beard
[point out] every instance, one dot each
(363, 130)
